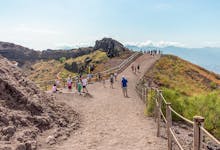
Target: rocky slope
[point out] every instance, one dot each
(24, 55)
(26, 112)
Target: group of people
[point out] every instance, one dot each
(154, 52)
(80, 85)
(82, 82)
(135, 69)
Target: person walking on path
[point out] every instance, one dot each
(111, 81)
(132, 68)
(54, 88)
(115, 75)
(84, 84)
(124, 84)
(79, 87)
(138, 68)
(69, 82)
(103, 80)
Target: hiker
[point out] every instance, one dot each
(57, 82)
(69, 83)
(84, 84)
(76, 83)
(103, 80)
(138, 67)
(79, 87)
(132, 68)
(54, 88)
(115, 75)
(124, 85)
(135, 69)
(111, 81)
(99, 76)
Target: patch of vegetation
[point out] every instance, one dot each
(191, 90)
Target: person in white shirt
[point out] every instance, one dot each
(54, 89)
(84, 84)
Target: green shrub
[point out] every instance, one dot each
(62, 59)
(206, 105)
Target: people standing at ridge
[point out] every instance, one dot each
(124, 85)
(111, 81)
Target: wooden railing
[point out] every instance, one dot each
(117, 69)
(200, 134)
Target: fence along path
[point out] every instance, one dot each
(202, 139)
(109, 120)
(117, 69)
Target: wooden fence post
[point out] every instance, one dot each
(169, 124)
(159, 115)
(197, 133)
(145, 94)
(155, 107)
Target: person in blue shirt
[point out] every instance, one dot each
(124, 85)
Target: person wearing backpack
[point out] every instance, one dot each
(124, 85)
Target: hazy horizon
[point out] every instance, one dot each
(53, 24)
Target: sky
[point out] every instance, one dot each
(43, 24)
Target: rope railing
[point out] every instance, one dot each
(176, 140)
(210, 136)
(185, 119)
(197, 123)
(106, 72)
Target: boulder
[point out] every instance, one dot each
(110, 46)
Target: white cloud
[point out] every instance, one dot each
(71, 45)
(156, 44)
(212, 43)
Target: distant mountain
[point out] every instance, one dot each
(24, 55)
(207, 57)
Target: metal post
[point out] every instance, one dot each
(198, 121)
(169, 125)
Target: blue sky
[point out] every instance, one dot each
(42, 24)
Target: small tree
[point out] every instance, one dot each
(62, 59)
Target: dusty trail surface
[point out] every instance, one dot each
(110, 121)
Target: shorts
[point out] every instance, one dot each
(84, 86)
(124, 88)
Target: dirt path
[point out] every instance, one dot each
(110, 121)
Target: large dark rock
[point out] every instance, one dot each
(110, 46)
(18, 53)
(25, 56)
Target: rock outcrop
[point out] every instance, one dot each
(110, 46)
(18, 53)
(25, 56)
(26, 112)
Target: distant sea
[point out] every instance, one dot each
(208, 58)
